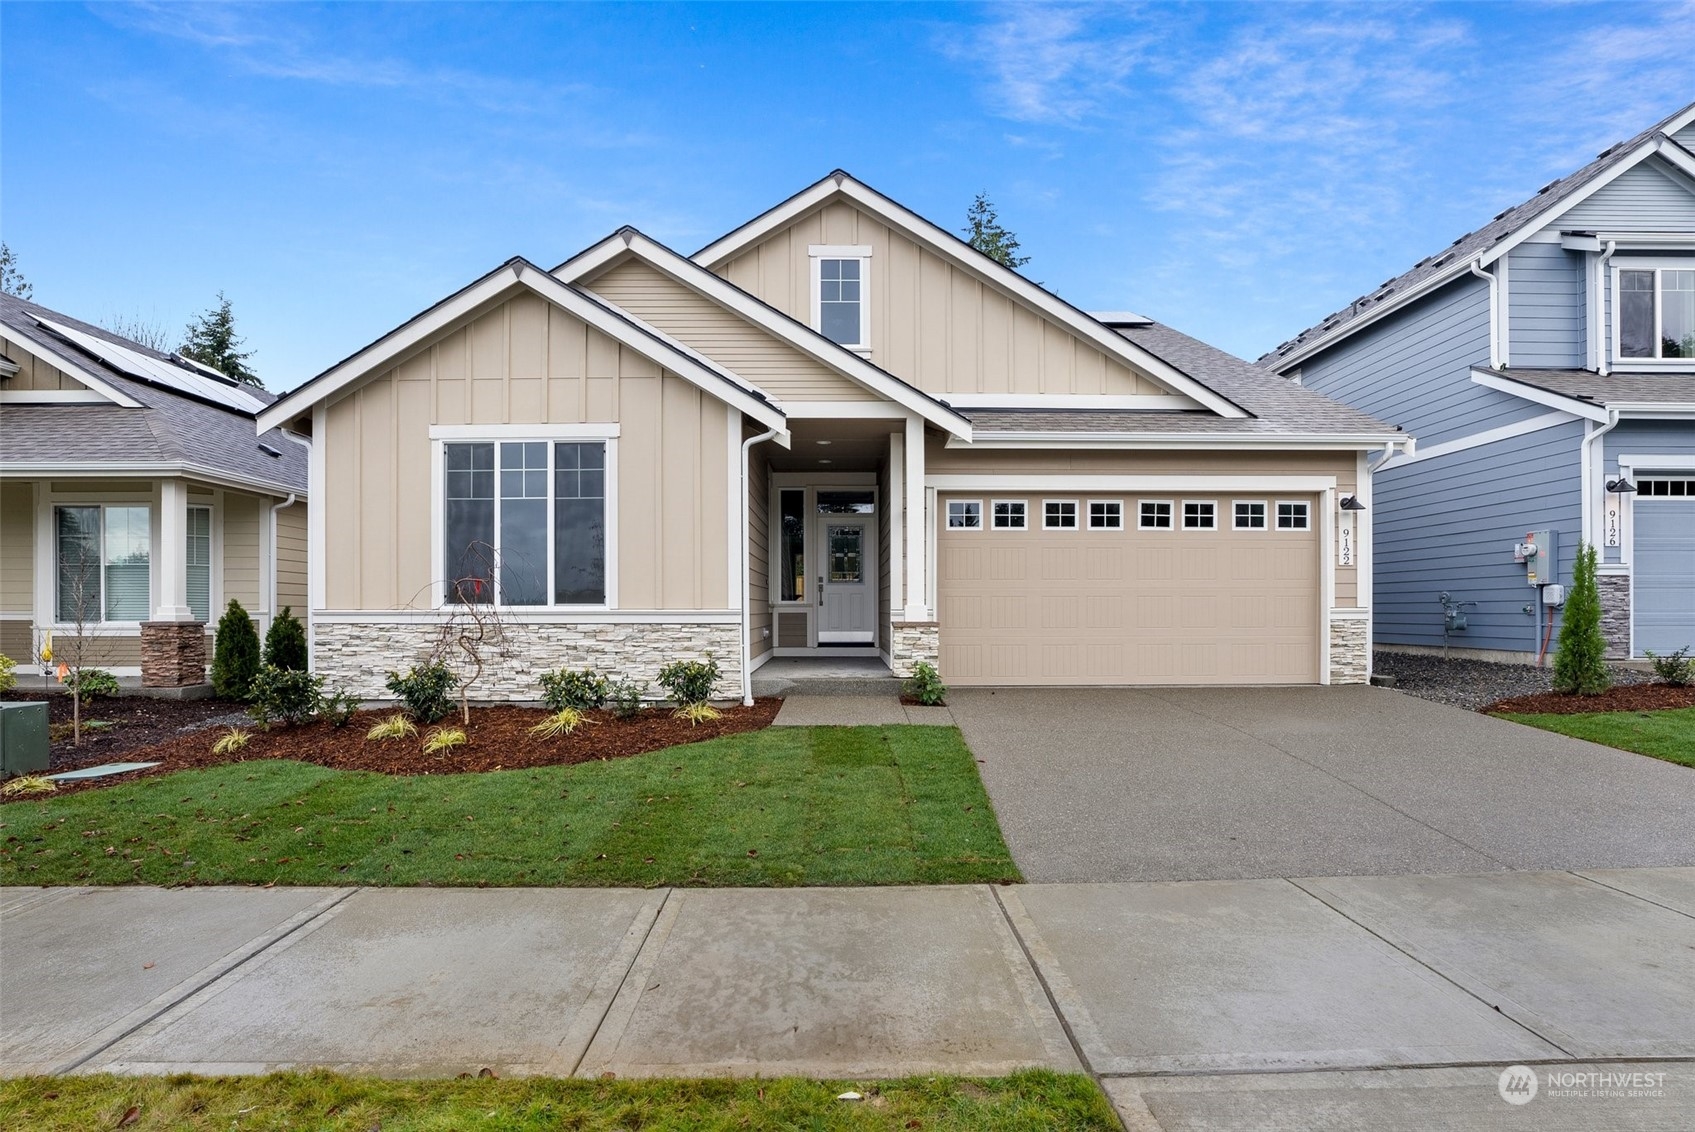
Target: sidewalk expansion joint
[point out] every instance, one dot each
(1047, 989)
(611, 999)
(1580, 875)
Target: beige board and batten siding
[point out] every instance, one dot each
(241, 552)
(932, 323)
(291, 559)
(35, 373)
(524, 361)
(722, 335)
(761, 630)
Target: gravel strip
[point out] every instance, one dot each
(1475, 683)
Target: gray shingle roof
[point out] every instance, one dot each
(1469, 246)
(169, 428)
(1613, 389)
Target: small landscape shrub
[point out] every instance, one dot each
(425, 689)
(1675, 667)
(444, 739)
(92, 683)
(626, 698)
(925, 685)
(231, 741)
(1580, 663)
(284, 695)
(697, 714)
(285, 642)
(583, 690)
(689, 681)
(8, 673)
(338, 708)
(235, 654)
(28, 784)
(562, 722)
(396, 726)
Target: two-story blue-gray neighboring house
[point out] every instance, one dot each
(1545, 364)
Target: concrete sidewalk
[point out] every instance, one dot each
(1395, 1000)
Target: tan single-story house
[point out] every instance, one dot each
(837, 430)
(135, 501)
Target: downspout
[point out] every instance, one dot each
(271, 598)
(311, 629)
(1494, 328)
(1585, 451)
(1601, 320)
(747, 576)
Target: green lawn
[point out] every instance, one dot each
(1036, 1099)
(783, 806)
(1668, 735)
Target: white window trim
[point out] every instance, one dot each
(1119, 526)
(1265, 513)
(442, 435)
(1183, 519)
(1023, 523)
(978, 503)
(1306, 514)
(1170, 513)
(818, 253)
(1076, 515)
(1618, 362)
(49, 561)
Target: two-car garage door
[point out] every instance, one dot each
(1231, 601)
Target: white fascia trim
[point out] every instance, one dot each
(535, 616)
(525, 432)
(1040, 402)
(697, 278)
(1479, 439)
(1630, 241)
(1191, 440)
(596, 312)
(69, 365)
(1167, 484)
(83, 469)
(1538, 395)
(839, 251)
(948, 246)
(1657, 461)
(52, 397)
(848, 410)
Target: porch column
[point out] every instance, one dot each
(917, 531)
(173, 643)
(897, 543)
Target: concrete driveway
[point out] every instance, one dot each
(1237, 783)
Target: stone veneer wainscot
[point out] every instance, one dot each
(1348, 654)
(913, 642)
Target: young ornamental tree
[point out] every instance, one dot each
(1580, 664)
(235, 654)
(285, 642)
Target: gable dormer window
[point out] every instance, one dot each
(1656, 312)
(841, 278)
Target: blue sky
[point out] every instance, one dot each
(1235, 170)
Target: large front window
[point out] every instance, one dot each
(525, 522)
(103, 559)
(1657, 313)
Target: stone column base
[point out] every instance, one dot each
(1614, 592)
(913, 643)
(1348, 660)
(173, 654)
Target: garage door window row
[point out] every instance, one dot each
(1151, 515)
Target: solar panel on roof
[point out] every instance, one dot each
(208, 385)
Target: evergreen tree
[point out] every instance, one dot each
(983, 231)
(285, 642)
(235, 654)
(12, 281)
(1580, 664)
(212, 342)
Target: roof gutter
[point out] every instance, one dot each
(1350, 442)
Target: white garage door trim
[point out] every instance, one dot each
(1633, 466)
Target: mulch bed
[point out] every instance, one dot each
(1620, 697)
(137, 722)
(498, 738)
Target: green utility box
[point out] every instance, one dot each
(23, 738)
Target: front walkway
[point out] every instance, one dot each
(1400, 998)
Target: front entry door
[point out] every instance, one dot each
(847, 587)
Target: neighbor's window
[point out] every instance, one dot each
(200, 562)
(103, 559)
(840, 307)
(1657, 313)
(503, 500)
(1291, 516)
(1250, 515)
(1009, 515)
(1059, 514)
(1156, 515)
(791, 543)
(965, 515)
(1200, 515)
(1106, 515)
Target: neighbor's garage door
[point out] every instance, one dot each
(1663, 597)
(1103, 605)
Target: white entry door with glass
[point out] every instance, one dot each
(828, 566)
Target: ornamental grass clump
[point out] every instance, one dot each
(28, 785)
(232, 740)
(396, 726)
(562, 722)
(444, 739)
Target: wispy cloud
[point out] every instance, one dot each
(1052, 63)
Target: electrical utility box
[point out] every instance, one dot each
(1540, 553)
(23, 738)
